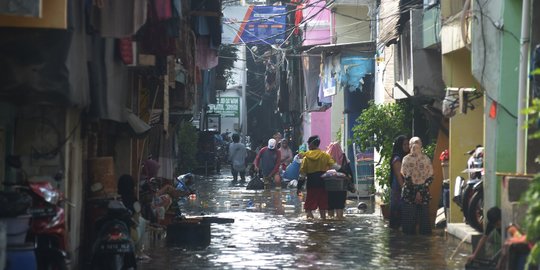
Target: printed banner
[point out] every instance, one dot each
(254, 25)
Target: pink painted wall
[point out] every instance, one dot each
(318, 28)
(321, 125)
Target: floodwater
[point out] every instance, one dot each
(270, 231)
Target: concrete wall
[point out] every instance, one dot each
(486, 43)
(347, 29)
(384, 76)
(451, 39)
(466, 130)
(39, 130)
(320, 125)
(426, 63)
(337, 115)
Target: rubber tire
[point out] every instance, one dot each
(475, 214)
(466, 196)
(116, 262)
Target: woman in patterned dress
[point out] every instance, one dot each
(417, 170)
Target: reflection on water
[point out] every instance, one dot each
(270, 232)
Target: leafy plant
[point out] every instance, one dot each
(532, 219)
(534, 117)
(377, 126)
(429, 150)
(383, 172)
(227, 56)
(532, 196)
(187, 138)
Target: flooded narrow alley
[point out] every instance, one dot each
(270, 231)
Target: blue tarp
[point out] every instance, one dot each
(353, 70)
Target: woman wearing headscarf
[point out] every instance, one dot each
(399, 150)
(418, 173)
(337, 199)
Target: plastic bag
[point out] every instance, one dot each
(255, 183)
(293, 171)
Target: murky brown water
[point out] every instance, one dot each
(270, 232)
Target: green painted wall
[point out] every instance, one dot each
(508, 90)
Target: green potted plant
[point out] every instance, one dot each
(531, 197)
(377, 126)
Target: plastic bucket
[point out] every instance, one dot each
(16, 229)
(21, 257)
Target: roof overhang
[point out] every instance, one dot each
(359, 47)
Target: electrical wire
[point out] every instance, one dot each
(405, 8)
(282, 14)
(287, 30)
(484, 62)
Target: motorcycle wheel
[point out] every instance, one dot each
(467, 194)
(116, 262)
(475, 214)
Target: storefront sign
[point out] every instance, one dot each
(226, 106)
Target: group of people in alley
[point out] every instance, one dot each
(411, 174)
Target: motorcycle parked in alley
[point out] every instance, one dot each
(469, 194)
(113, 248)
(47, 225)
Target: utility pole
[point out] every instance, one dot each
(243, 110)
